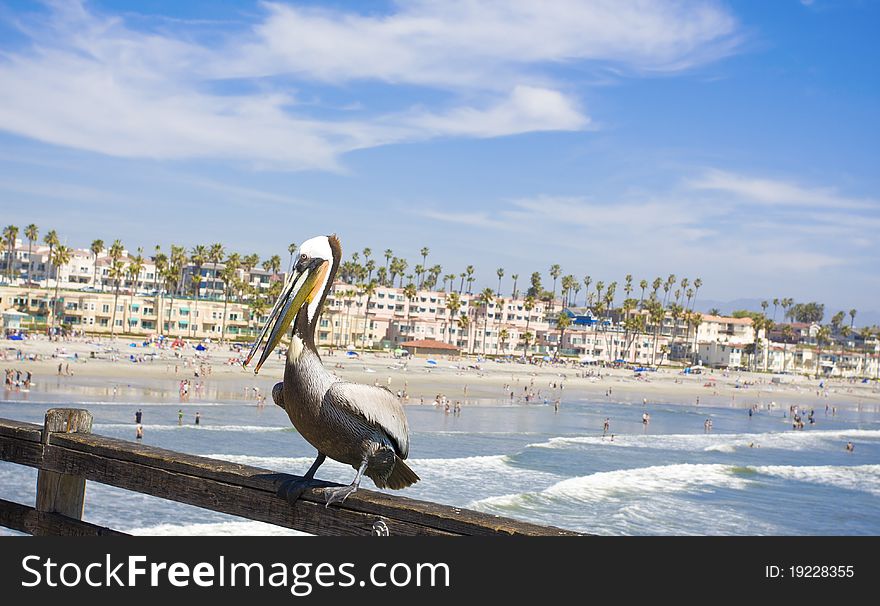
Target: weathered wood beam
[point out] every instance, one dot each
(31, 521)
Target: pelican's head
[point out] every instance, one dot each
(305, 287)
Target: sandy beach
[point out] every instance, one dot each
(465, 379)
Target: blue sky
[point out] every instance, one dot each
(732, 141)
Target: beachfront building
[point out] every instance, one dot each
(722, 355)
(388, 317)
(142, 315)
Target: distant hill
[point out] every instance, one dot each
(863, 318)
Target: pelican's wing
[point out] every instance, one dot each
(375, 405)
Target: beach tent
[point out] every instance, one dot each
(351, 354)
(200, 347)
(431, 362)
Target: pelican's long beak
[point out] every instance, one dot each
(300, 289)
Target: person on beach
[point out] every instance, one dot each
(605, 427)
(850, 447)
(139, 432)
(198, 417)
(180, 416)
(138, 416)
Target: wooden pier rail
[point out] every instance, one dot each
(67, 454)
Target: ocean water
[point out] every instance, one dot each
(748, 476)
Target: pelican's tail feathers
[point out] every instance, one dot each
(400, 477)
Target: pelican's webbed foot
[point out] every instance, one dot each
(291, 490)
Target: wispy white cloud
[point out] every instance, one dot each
(97, 82)
(667, 230)
(774, 192)
(478, 44)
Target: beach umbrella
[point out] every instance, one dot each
(200, 347)
(351, 354)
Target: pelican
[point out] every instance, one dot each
(359, 425)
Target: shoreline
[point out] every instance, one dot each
(457, 379)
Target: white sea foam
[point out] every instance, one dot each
(721, 442)
(864, 478)
(216, 529)
(624, 483)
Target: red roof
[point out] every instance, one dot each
(429, 344)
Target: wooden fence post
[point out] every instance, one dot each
(56, 492)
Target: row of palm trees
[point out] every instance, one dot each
(645, 315)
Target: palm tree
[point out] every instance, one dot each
(199, 256)
(513, 293)
(526, 338)
(655, 285)
(500, 273)
(656, 314)
(462, 275)
(291, 249)
(463, 323)
(528, 306)
(419, 269)
(587, 281)
(61, 256)
(714, 312)
(369, 290)
(775, 305)
(215, 254)
(865, 334)
(788, 335)
(134, 270)
(31, 232)
(402, 264)
(229, 274)
(424, 252)
(822, 338)
(499, 314)
(643, 284)
(410, 292)
(272, 264)
(469, 270)
(786, 305)
(97, 248)
(117, 273)
(51, 240)
(196, 279)
(453, 305)
(388, 254)
(764, 305)
(503, 337)
(555, 272)
(483, 300)
(177, 263)
(697, 284)
(563, 321)
(10, 233)
(852, 318)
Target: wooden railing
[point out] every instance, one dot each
(67, 454)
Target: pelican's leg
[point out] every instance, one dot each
(340, 494)
(291, 490)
